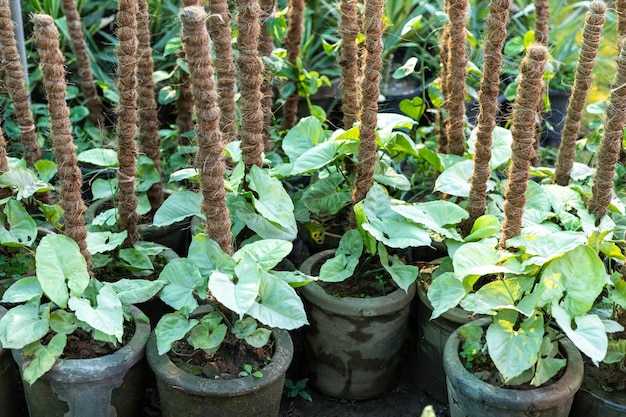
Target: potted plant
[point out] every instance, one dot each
(46, 335)
(229, 356)
(11, 396)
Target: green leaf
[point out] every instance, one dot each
(183, 280)
(437, 216)
(578, 275)
(501, 140)
(61, 269)
(172, 46)
(99, 156)
(46, 169)
(485, 226)
(278, 305)
(24, 181)
(168, 95)
(263, 227)
(147, 174)
(38, 359)
(512, 349)
(22, 229)
(455, 180)
(244, 327)
(78, 113)
(101, 242)
(267, 253)
(62, 321)
(319, 156)
(237, 295)
(405, 70)
(346, 259)
(135, 260)
(325, 197)
(24, 289)
(208, 256)
(546, 369)
(589, 335)
(413, 108)
(209, 333)
(501, 294)
(549, 246)
(177, 207)
(23, 324)
(104, 188)
(402, 274)
(306, 134)
(259, 338)
(477, 259)
(445, 292)
(514, 46)
(106, 317)
(171, 328)
(135, 291)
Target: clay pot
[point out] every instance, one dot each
(352, 346)
(469, 396)
(592, 400)
(111, 385)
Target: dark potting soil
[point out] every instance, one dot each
(231, 358)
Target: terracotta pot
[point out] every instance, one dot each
(111, 385)
(184, 394)
(352, 345)
(469, 396)
(592, 400)
(12, 399)
(432, 336)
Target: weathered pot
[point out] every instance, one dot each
(185, 395)
(432, 336)
(108, 386)
(176, 236)
(11, 395)
(469, 397)
(352, 345)
(592, 400)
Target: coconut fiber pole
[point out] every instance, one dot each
(348, 31)
(542, 15)
(592, 32)
(209, 159)
(373, 29)
(523, 131)
(488, 100)
(184, 102)
(225, 70)
(87, 85)
(611, 142)
(52, 66)
(146, 103)
(444, 56)
(15, 85)
(457, 71)
(250, 77)
(620, 8)
(266, 47)
(127, 118)
(292, 44)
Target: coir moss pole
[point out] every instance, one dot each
(523, 132)
(348, 31)
(444, 56)
(488, 100)
(542, 15)
(209, 159)
(457, 72)
(266, 47)
(146, 103)
(250, 77)
(226, 72)
(373, 29)
(127, 118)
(611, 142)
(620, 8)
(87, 85)
(52, 67)
(15, 85)
(292, 44)
(592, 32)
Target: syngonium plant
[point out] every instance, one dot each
(61, 298)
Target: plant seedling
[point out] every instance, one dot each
(297, 389)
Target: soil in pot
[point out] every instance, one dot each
(351, 345)
(109, 385)
(470, 396)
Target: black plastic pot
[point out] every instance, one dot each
(184, 394)
(111, 385)
(352, 345)
(469, 396)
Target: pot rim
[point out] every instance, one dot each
(172, 375)
(510, 398)
(352, 306)
(118, 362)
